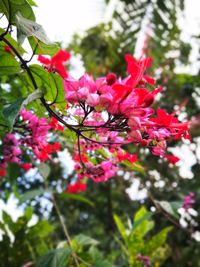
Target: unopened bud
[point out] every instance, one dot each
(111, 78)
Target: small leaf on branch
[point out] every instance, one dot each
(40, 48)
(66, 196)
(55, 258)
(28, 27)
(44, 170)
(8, 64)
(11, 112)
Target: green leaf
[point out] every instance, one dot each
(121, 228)
(166, 206)
(32, 3)
(12, 41)
(41, 229)
(141, 224)
(28, 27)
(55, 258)
(15, 6)
(83, 240)
(66, 196)
(31, 194)
(134, 166)
(33, 96)
(51, 84)
(158, 240)
(11, 112)
(8, 64)
(41, 48)
(28, 213)
(44, 170)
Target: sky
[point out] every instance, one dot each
(62, 18)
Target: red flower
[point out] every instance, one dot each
(122, 155)
(26, 166)
(7, 48)
(168, 120)
(56, 62)
(2, 172)
(136, 69)
(55, 125)
(76, 188)
(172, 159)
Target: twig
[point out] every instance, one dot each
(74, 256)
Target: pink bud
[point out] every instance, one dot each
(83, 93)
(135, 136)
(93, 100)
(134, 123)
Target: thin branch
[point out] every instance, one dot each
(74, 256)
(79, 152)
(166, 214)
(9, 21)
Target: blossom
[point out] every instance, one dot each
(55, 125)
(2, 172)
(56, 62)
(172, 159)
(189, 201)
(144, 259)
(76, 188)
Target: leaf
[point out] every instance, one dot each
(141, 224)
(66, 196)
(33, 96)
(121, 228)
(12, 41)
(11, 7)
(157, 240)
(31, 194)
(83, 240)
(11, 112)
(28, 27)
(134, 166)
(32, 3)
(55, 258)
(41, 48)
(44, 170)
(166, 206)
(51, 84)
(41, 229)
(8, 64)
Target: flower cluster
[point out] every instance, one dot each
(105, 114)
(112, 112)
(30, 133)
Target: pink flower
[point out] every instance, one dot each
(83, 93)
(93, 100)
(144, 259)
(106, 99)
(189, 201)
(134, 123)
(135, 136)
(88, 82)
